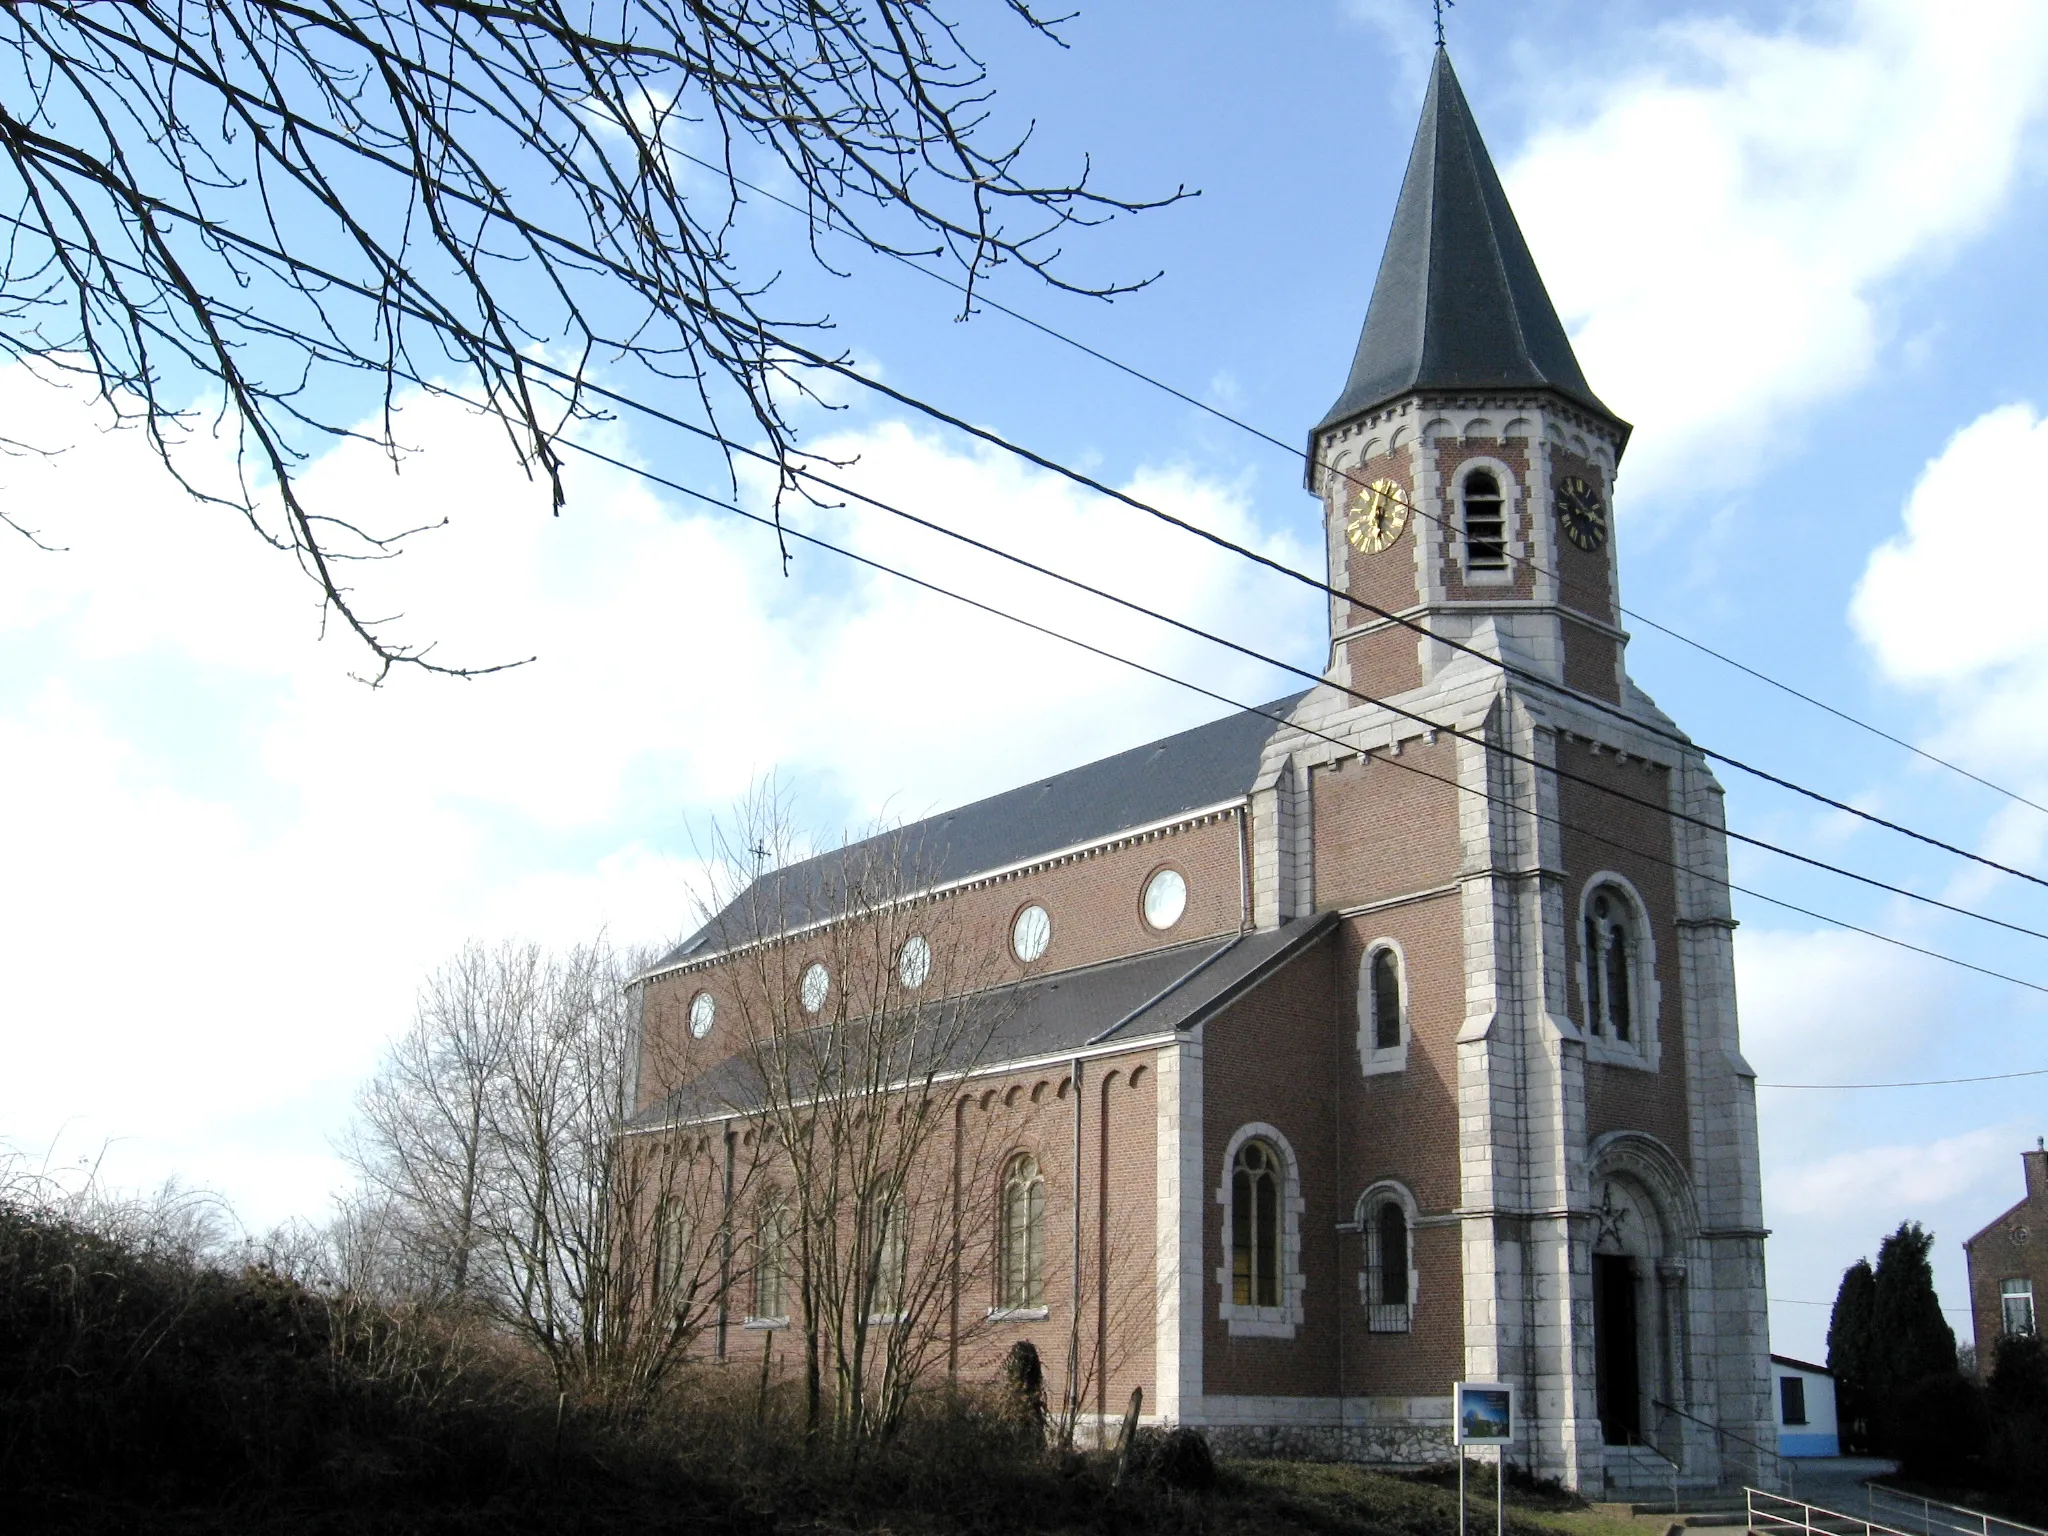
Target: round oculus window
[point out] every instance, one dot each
(1166, 897)
(914, 961)
(703, 1009)
(1031, 933)
(811, 991)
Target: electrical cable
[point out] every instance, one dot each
(981, 300)
(1926, 1082)
(731, 446)
(637, 279)
(1279, 719)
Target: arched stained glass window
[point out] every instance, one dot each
(1392, 1229)
(1255, 1226)
(1022, 1270)
(1388, 1289)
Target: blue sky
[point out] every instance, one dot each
(1797, 246)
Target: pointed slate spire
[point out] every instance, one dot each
(1458, 303)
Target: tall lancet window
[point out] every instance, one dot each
(1255, 1226)
(1486, 545)
(1022, 1278)
(1386, 1001)
(1610, 946)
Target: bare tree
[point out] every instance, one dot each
(492, 1139)
(858, 1004)
(290, 209)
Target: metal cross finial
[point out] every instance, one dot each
(1441, 6)
(760, 853)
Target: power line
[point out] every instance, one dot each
(980, 299)
(1492, 799)
(700, 306)
(731, 446)
(1929, 1082)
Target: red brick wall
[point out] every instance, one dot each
(1605, 832)
(1383, 829)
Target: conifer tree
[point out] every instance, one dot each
(1911, 1340)
(1849, 1327)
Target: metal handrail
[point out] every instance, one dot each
(1980, 1523)
(1767, 1522)
(1785, 1467)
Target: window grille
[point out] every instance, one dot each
(1388, 1299)
(1486, 546)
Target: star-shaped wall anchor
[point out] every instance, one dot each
(1609, 1218)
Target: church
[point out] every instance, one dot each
(1396, 1019)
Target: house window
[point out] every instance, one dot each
(771, 1260)
(1792, 1399)
(671, 1252)
(1255, 1226)
(1486, 547)
(1389, 1291)
(2016, 1302)
(1022, 1267)
(1610, 949)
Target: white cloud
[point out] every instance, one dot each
(1813, 1003)
(1720, 230)
(1869, 1184)
(229, 864)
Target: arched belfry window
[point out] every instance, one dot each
(1617, 975)
(1021, 1269)
(1486, 546)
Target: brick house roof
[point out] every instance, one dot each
(1209, 765)
(1458, 303)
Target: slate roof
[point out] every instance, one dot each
(1048, 1016)
(1458, 303)
(1208, 765)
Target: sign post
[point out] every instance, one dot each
(1485, 1416)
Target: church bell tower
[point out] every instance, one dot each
(1467, 469)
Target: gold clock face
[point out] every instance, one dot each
(1582, 513)
(1375, 516)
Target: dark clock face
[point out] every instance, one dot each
(1582, 512)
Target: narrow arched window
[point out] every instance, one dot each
(771, 1258)
(1255, 1226)
(1022, 1268)
(1386, 1000)
(886, 1266)
(1393, 1234)
(1610, 964)
(1486, 547)
(1388, 1291)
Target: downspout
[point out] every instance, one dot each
(953, 1321)
(1244, 867)
(1074, 1332)
(725, 1247)
(1102, 1263)
(1343, 1301)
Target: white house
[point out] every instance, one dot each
(1803, 1396)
